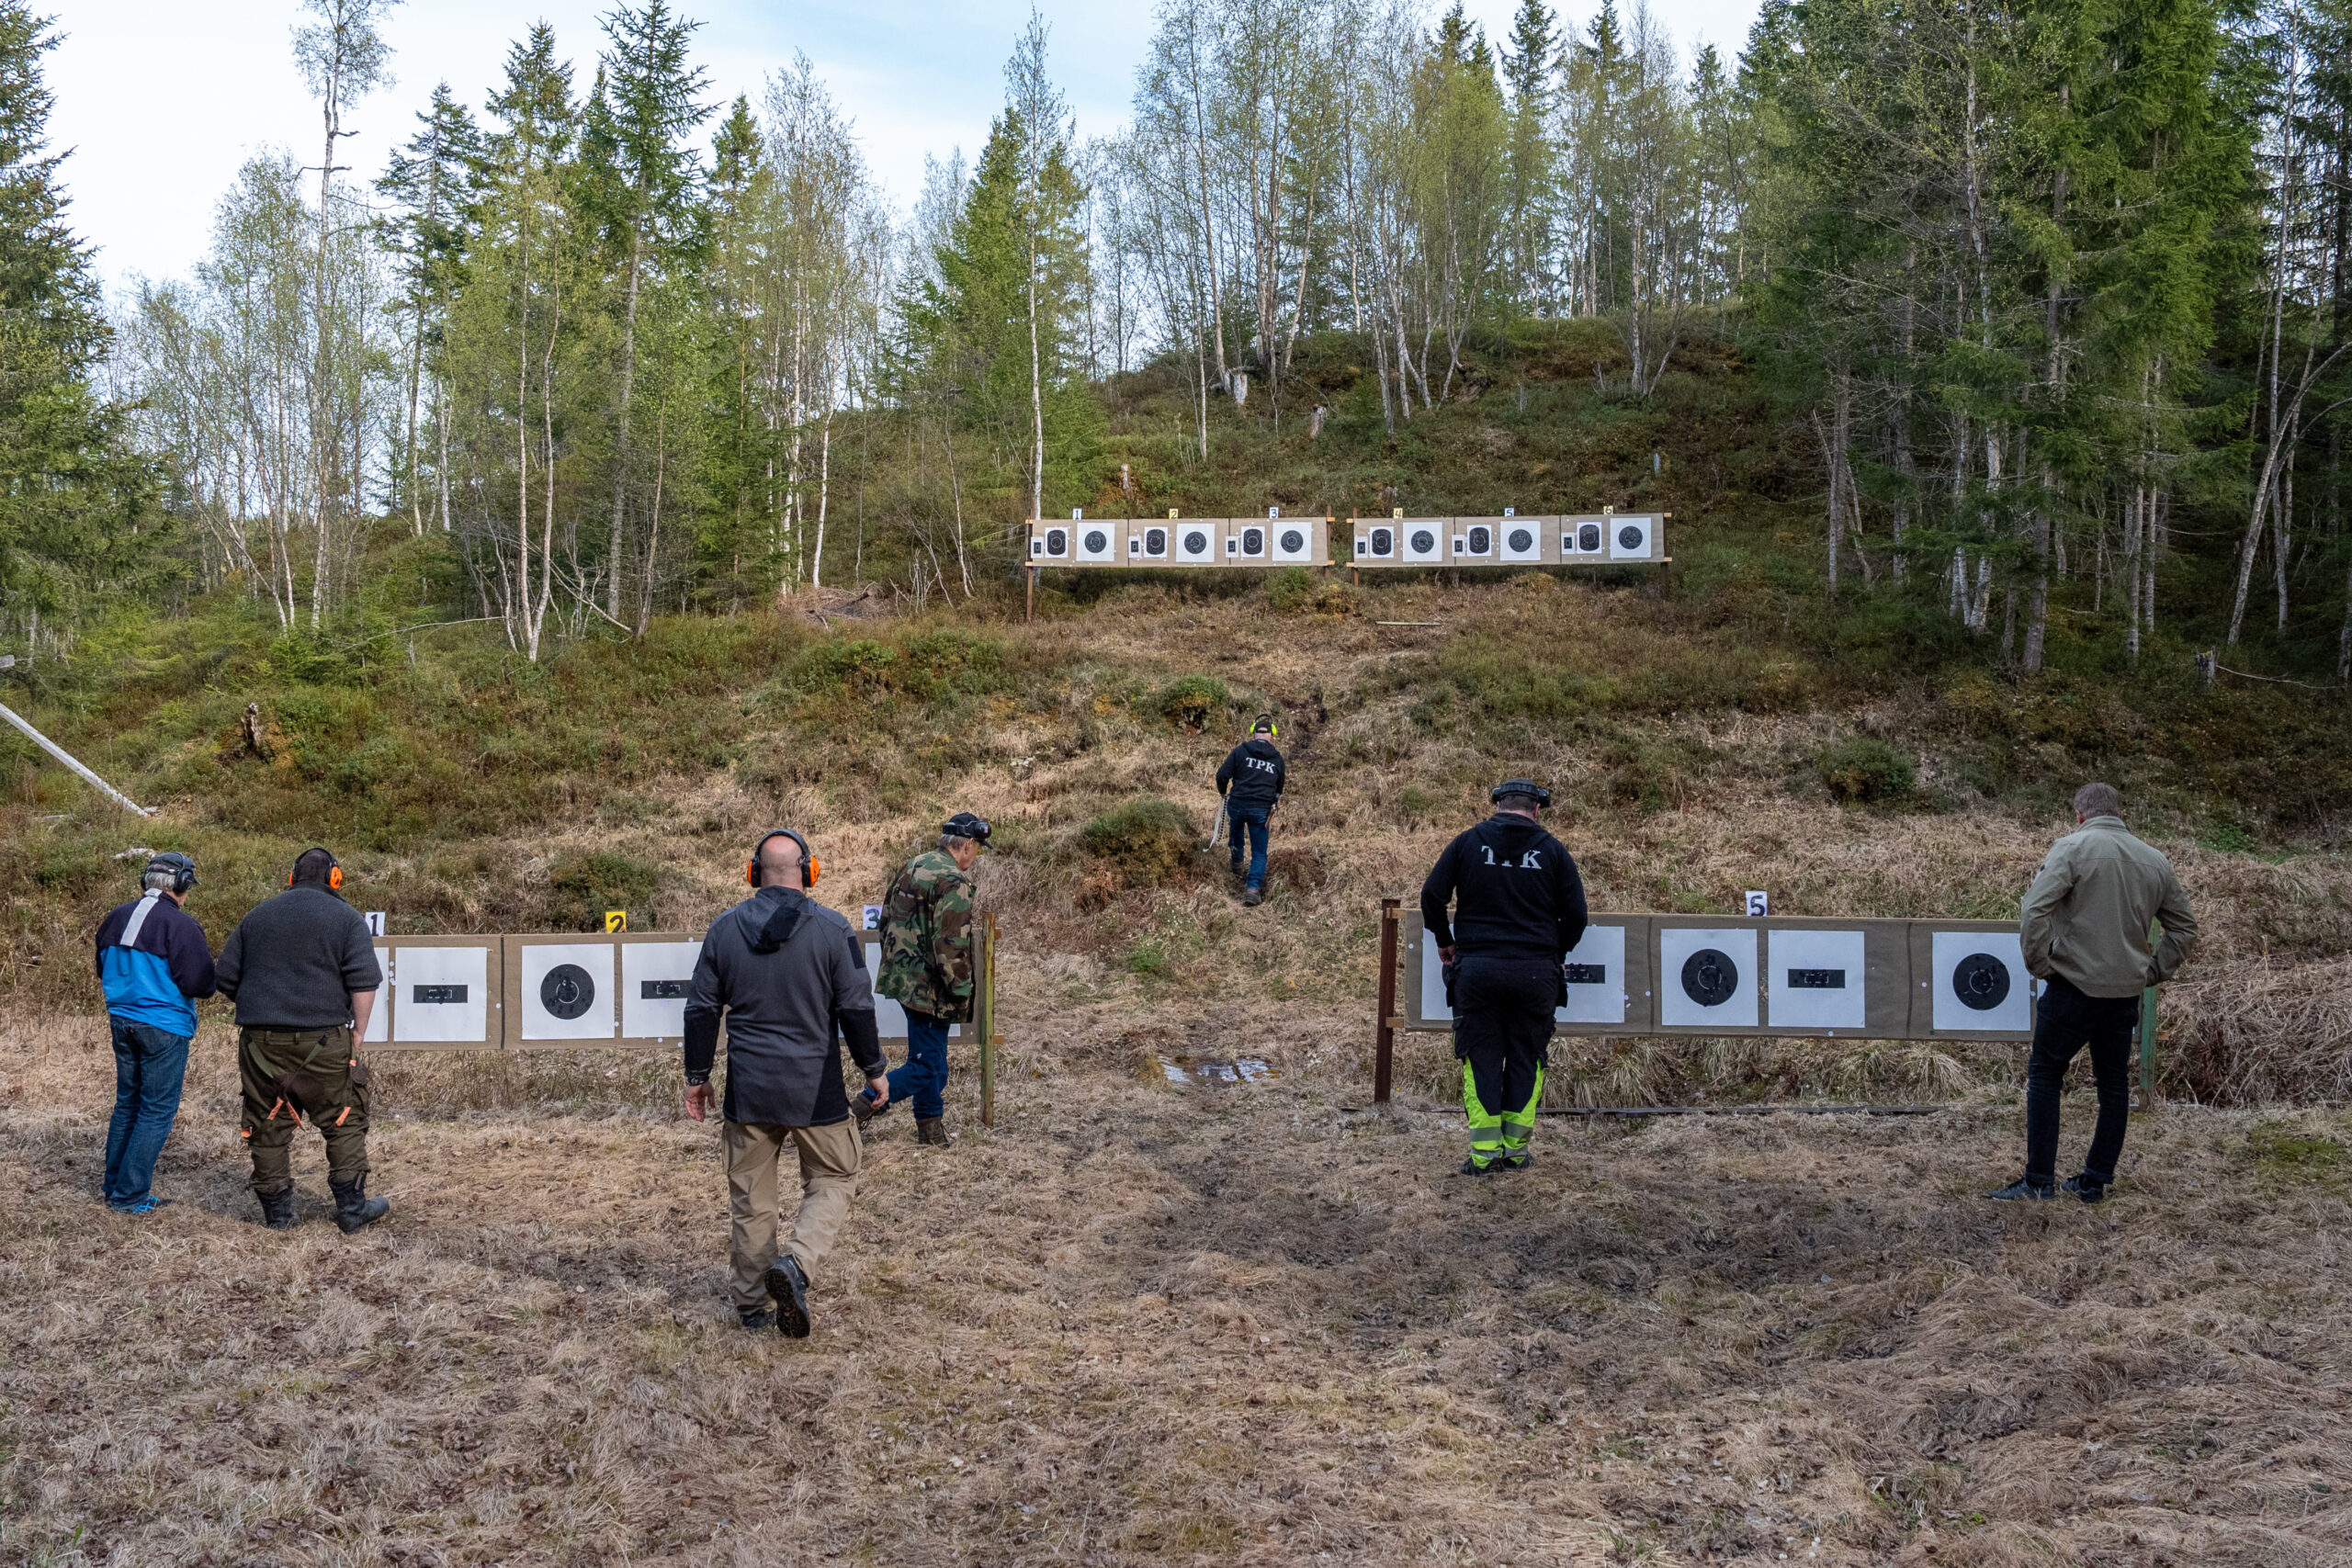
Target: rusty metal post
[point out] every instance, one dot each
(1384, 1051)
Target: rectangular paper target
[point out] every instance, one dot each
(1630, 538)
(563, 990)
(1973, 981)
(1421, 540)
(1248, 541)
(380, 1016)
(1476, 540)
(1521, 538)
(1607, 979)
(1096, 542)
(1816, 980)
(1706, 977)
(654, 980)
(1300, 540)
(889, 1017)
(1195, 541)
(1583, 538)
(1376, 543)
(1051, 542)
(441, 995)
(1596, 979)
(1149, 543)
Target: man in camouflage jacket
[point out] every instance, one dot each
(928, 965)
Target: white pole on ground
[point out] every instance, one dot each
(54, 750)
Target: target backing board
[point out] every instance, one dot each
(380, 1018)
(561, 991)
(889, 1017)
(657, 968)
(1837, 977)
(1969, 981)
(1707, 975)
(1607, 978)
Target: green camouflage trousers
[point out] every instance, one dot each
(289, 1075)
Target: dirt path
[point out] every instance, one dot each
(1142, 1323)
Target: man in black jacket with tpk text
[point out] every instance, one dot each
(1251, 781)
(1518, 908)
(785, 973)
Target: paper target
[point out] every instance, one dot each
(1421, 539)
(1815, 979)
(1981, 986)
(1097, 541)
(380, 1016)
(1707, 979)
(1247, 543)
(1293, 541)
(1196, 543)
(566, 991)
(654, 979)
(441, 995)
(1377, 544)
(1596, 977)
(1050, 543)
(1147, 543)
(1432, 982)
(889, 1017)
(1582, 539)
(1629, 539)
(1522, 539)
(1475, 542)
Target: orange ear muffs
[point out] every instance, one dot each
(335, 869)
(810, 869)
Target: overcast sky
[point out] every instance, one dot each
(160, 100)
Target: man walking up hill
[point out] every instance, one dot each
(2085, 930)
(927, 969)
(1251, 781)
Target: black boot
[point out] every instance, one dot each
(790, 1286)
(2025, 1190)
(277, 1209)
(352, 1207)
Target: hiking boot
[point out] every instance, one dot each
(790, 1286)
(277, 1209)
(754, 1317)
(1514, 1162)
(2024, 1189)
(1472, 1168)
(2088, 1190)
(934, 1130)
(353, 1208)
(1253, 897)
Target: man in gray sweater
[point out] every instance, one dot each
(2085, 929)
(785, 972)
(303, 973)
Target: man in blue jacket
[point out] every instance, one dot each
(1251, 781)
(151, 959)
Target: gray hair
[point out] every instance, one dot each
(948, 842)
(159, 879)
(2099, 800)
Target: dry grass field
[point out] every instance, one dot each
(1144, 1323)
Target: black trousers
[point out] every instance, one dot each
(1504, 1037)
(2064, 1021)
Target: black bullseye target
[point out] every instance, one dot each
(1980, 982)
(1709, 977)
(566, 991)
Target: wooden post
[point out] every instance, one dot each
(1029, 599)
(1383, 1050)
(986, 1018)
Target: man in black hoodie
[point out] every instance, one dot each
(1519, 910)
(1251, 781)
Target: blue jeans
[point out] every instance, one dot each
(924, 1077)
(1254, 818)
(148, 1067)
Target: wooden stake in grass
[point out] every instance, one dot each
(1384, 1048)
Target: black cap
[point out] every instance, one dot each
(964, 825)
(1528, 787)
(183, 869)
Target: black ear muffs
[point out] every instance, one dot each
(183, 870)
(335, 868)
(1541, 796)
(810, 869)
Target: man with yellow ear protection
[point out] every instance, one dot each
(1251, 781)
(302, 970)
(785, 972)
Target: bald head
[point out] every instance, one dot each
(780, 863)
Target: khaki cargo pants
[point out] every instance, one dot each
(829, 1158)
(319, 1060)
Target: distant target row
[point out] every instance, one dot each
(1618, 538)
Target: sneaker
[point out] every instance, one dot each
(1472, 1168)
(1253, 897)
(790, 1286)
(755, 1318)
(143, 1206)
(2024, 1190)
(2083, 1187)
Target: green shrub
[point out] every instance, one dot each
(1150, 839)
(1292, 588)
(583, 887)
(1191, 701)
(1865, 769)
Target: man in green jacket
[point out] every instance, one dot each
(927, 969)
(2086, 932)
